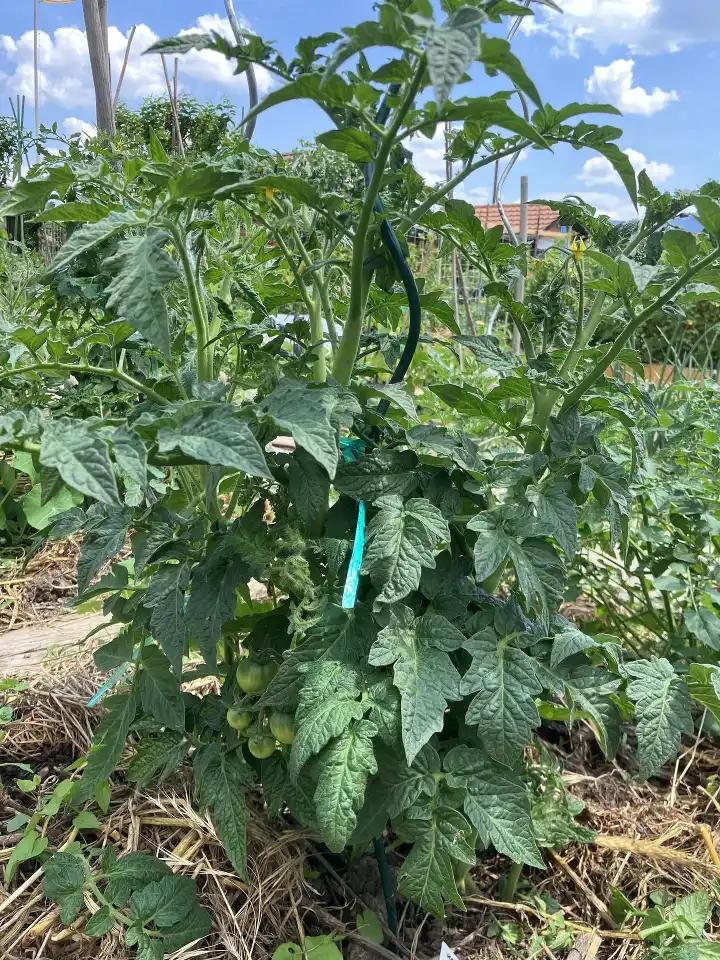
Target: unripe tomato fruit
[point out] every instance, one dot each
(282, 726)
(251, 676)
(261, 746)
(239, 719)
(270, 669)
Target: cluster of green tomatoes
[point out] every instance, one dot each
(263, 734)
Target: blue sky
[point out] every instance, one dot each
(658, 60)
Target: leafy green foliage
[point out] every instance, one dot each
(162, 908)
(214, 347)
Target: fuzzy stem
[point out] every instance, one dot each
(348, 349)
(635, 322)
(112, 373)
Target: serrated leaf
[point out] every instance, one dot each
(63, 874)
(100, 923)
(486, 348)
(450, 51)
(404, 785)
(662, 712)
(128, 873)
(382, 473)
(703, 682)
(164, 902)
(212, 435)
(212, 597)
(81, 459)
(497, 56)
(221, 780)
(427, 876)
(309, 487)
(306, 414)
(100, 544)
(343, 636)
(402, 539)
(159, 689)
(589, 688)
(327, 704)
(346, 765)
(569, 642)
(423, 673)
(142, 268)
(504, 679)
(165, 596)
(108, 743)
(558, 512)
(157, 757)
(704, 625)
(194, 926)
(90, 236)
(496, 802)
(357, 145)
(130, 454)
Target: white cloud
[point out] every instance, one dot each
(429, 156)
(65, 77)
(479, 196)
(71, 125)
(599, 170)
(641, 26)
(607, 204)
(614, 84)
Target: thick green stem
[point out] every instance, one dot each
(348, 349)
(635, 322)
(112, 373)
(579, 323)
(511, 882)
(317, 338)
(197, 308)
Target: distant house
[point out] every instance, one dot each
(543, 227)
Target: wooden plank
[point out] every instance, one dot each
(30, 647)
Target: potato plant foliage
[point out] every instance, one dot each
(415, 707)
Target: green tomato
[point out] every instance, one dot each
(251, 676)
(282, 726)
(269, 670)
(239, 719)
(261, 746)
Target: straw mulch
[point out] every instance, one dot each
(37, 590)
(650, 836)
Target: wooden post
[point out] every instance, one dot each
(36, 64)
(176, 119)
(454, 282)
(95, 12)
(520, 288)
(124, 68)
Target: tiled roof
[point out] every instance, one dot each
(540, 217)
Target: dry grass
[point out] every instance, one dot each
(37, 590)
(52, 727)
(650, 836)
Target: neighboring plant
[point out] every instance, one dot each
(673, 929)
(412, 701)
(157, 910)
(312, 948)
(205, 127)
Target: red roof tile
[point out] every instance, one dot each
(540, 217)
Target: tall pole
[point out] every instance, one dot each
(520, 288)
(36, 65)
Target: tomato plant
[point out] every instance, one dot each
(411, 660)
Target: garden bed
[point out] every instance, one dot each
(649, 836)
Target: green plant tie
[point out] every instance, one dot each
(350, 449)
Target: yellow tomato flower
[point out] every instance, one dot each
(578, 248)
(269, 194)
